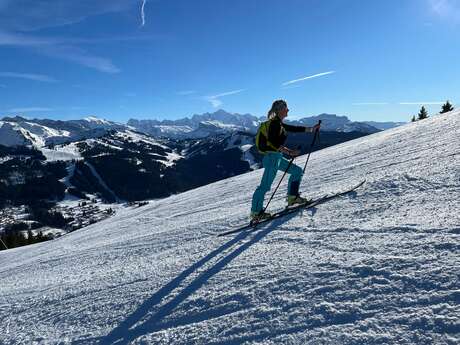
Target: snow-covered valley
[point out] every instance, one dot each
(379, 266)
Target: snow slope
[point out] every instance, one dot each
(380, 266)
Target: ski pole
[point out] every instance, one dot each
(311, 146)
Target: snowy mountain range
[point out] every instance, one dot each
(379, 266)
(117, 162)
(128, 165)
(17, 130)
(200, 126)
(42, 132)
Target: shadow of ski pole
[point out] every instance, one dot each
(124, 333)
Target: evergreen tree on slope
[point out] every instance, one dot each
(423, 114)
(447, 107)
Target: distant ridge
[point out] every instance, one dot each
(196, 127)
(221, 121)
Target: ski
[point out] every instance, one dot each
(290, 210)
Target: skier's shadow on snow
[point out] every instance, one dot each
(152, 322)
(352, 195)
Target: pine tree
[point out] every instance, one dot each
(423, 114)
(447, 107)
(413, 119)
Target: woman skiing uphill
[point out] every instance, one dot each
(270, 142)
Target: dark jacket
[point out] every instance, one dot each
(277, 134)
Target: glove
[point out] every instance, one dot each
(289, 152)
(313, 129)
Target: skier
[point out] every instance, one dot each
(270, 140)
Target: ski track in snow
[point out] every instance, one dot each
(379, 266)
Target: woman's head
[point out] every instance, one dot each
(279, 108)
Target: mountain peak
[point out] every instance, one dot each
(97, 120)
(16, 118)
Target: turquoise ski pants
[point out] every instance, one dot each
(272, 162)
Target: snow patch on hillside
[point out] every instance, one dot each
(10, 135)
(62, 153)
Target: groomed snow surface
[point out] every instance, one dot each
(379, 266)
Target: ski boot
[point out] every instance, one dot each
(258, 216)
(294, 200)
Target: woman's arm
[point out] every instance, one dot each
(295, 129)
(299, 129)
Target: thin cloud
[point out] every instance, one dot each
(421, 103)
(370, 103)
(81, 57)
(308, 77)
(30, 41)
(35, 15)
(28, 110)
(57, 48)
(448, 10)
(19, 40)
(186, 92)
(28, 76)
(216, 102)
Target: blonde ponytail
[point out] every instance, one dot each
(276, 107)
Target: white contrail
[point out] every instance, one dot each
(216, 102)
(143, 12)
(228, 93)
(370, 103)
(309, 77)
(30, 76)
(421, 103)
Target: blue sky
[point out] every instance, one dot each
(167, 59)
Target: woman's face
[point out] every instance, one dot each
(283, 113)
